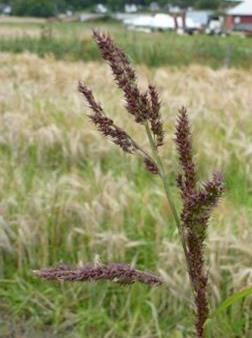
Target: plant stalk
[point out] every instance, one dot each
(163, 177)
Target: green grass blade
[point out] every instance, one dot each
(234, 298)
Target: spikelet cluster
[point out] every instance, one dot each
(115, 272)
(197, 207)
(145, 107)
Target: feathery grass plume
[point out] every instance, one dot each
(197, 202)
(115, 272)
(184, 147)
(143, 106)
(87, 93)
(105, 125)
(124, 75)
(197, 206)
(155, 117)
(109, 129)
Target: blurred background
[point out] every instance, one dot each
(67, 195)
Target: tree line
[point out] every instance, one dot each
(47, 8)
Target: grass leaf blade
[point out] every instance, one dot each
(234, 298)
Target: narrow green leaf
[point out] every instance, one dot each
(234, 298)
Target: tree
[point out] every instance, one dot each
(205, 4)
(79, 4)
(116, 4)
(41, 8)
(47, 8)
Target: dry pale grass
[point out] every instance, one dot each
(40, 108)
(19, 19)
(48, 197)
(8, 32)
(34, 91)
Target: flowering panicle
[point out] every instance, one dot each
(212, 190)
(109, 129)
(125, 77)
(120, 273)
(87, 93)
(198, 202)
(184, 147)
(197, 207)
(143, 106)
(105, 125)
(155, 117)
(116, 57)
(151, 166)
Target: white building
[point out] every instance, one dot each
(130, 8)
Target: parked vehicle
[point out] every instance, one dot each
(215, 25)
(101, 9)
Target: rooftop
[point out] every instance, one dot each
(245, 8)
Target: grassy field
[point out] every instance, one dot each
(67, 196)
(73, 42)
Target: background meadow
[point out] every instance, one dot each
(67, 195)
(73, 42)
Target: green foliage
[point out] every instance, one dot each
(232, 300)
(41, 8)
(65, 42)
(79, 4)
(206, 4)
(46, 8)
(115, 5)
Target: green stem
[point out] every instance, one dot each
(163, 177)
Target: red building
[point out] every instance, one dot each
(240, 17)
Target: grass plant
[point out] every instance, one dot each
(65, 196)
(198, 200)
